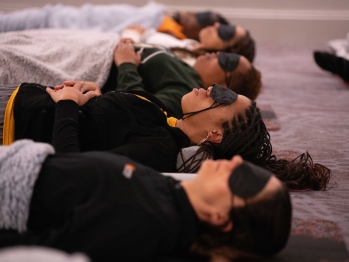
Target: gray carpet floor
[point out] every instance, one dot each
(312, 107)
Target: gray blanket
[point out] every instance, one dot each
(51, 56)
(106, 18)
(20, 164)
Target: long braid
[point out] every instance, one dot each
(300, 173)
(248, 137)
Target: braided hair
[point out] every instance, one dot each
(246, 135)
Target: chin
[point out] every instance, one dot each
(202, 34)
(186, 100)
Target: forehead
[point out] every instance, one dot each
(239, 106)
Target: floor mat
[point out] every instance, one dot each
(269, 117)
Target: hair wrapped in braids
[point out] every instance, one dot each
(246, 135)
(250, 139)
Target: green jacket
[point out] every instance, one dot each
(161, 73)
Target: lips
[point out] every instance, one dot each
(196, 91)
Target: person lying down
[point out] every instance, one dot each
(112, 208)
(138, 125)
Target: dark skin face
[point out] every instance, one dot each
(191, 26)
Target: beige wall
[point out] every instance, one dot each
(283, 21)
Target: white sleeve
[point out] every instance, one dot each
(156, 38)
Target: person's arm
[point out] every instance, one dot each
(129, 78)
(66, 126)
(138, 34)
(127, 60)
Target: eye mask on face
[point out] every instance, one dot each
(247, 180)
(204, 18)
(228, 61)
(226, 32)
(219, 94)
(223, 95)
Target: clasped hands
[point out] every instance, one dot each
(78, 91)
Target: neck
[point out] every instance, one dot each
(189, 188)
(190, 131)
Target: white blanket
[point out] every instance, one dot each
(51, 56)
(20, 164)
(106, 18)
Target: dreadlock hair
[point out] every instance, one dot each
(261, 229)
(246, 83)
(245, 46)
(249, 138)
(246, 135)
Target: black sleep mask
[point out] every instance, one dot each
(223, 95)
(228, 61)
(247, 180)
(204, 18)
(226, 32)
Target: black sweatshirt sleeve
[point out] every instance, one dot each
(65, 135)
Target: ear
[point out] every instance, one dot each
(215, 136)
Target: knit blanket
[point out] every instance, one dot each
(106, 18)
(20, 164)
(51, 56)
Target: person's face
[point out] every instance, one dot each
(199, 99)
(207, 66)
(213, 179)
(210, 40)
(191, 25)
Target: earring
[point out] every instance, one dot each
(203, 140)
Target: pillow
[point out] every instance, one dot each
(187, 152)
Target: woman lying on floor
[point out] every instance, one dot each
(217, 37)
(56, 56)
(114, 209)
(223, 123)
(169, 79)
(115, 18)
